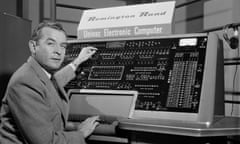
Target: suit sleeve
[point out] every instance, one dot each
(64, 75)
(34, 116)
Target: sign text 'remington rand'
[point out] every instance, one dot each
(141, 14)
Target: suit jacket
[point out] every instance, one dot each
(33, 111)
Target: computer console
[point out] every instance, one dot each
(177, 76)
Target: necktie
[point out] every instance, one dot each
(56, 86)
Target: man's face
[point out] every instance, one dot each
(50, 49)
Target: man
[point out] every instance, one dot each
(33, 110)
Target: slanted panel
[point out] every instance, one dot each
(92, 3)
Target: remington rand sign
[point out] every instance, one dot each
(119, 17)
(127, 21)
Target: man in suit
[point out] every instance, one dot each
(33, 110)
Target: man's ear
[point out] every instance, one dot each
(32, 46)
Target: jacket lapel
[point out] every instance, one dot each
(59, 97)
(61, 93)
(61, 103)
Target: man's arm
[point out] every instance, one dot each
(67, 73)
(64, 75)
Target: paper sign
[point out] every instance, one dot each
(127, 21)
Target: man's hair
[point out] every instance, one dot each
(36, 35)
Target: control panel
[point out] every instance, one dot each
(167, 72)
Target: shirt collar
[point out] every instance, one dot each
(47, 73)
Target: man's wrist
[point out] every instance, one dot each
(73, 65)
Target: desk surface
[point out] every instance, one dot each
(221, 126)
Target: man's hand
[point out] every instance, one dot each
(88, 126)
(84, 55)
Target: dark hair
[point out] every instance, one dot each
(36, 35)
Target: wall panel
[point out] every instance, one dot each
(71, 28)
(68, 12)
(46, 9)
(192, 26)
(232, 109)
(217, 13)
(71, 15)
(188, 12)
